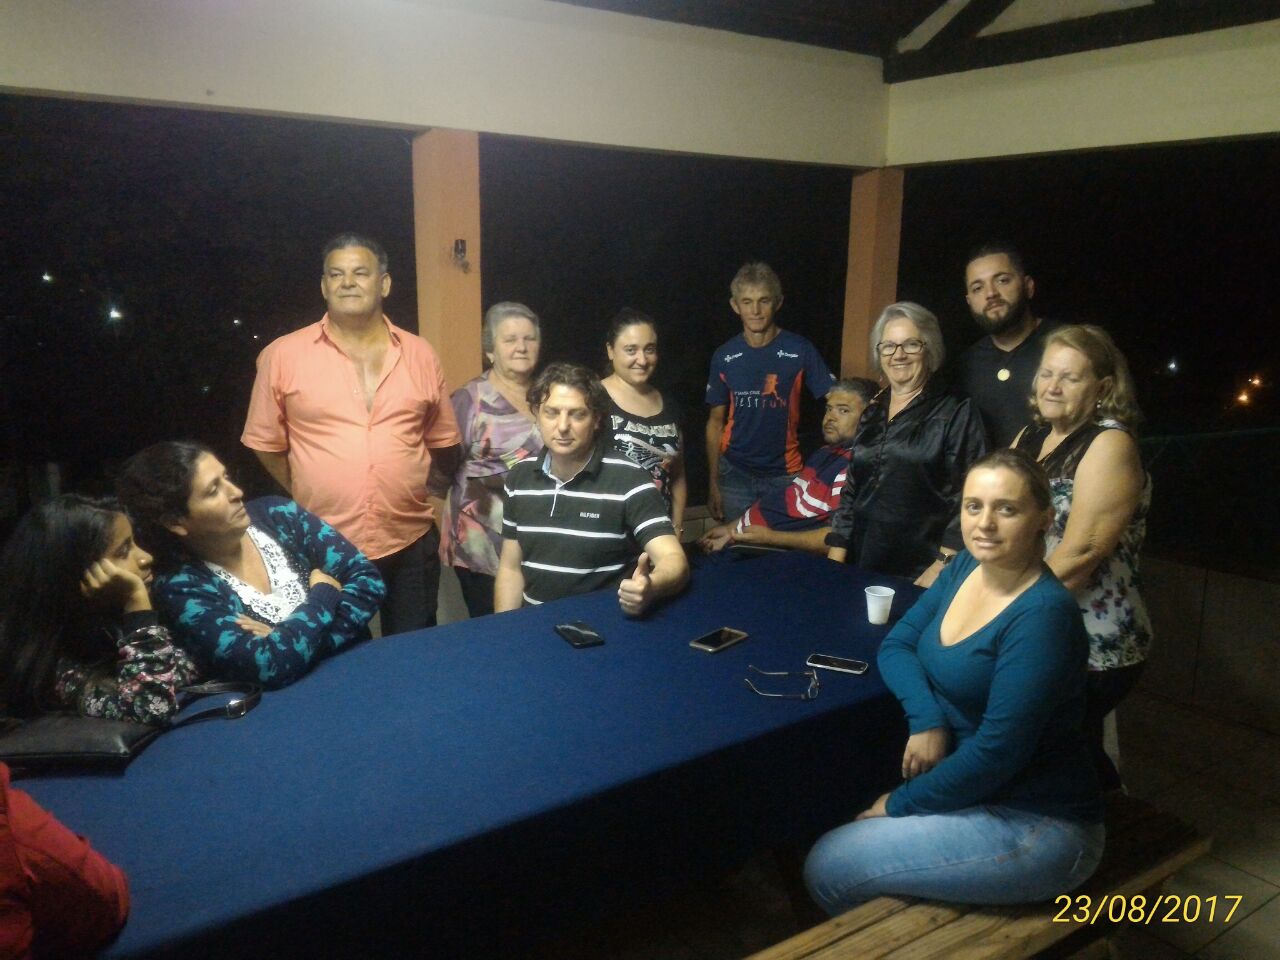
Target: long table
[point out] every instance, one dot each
(481, 783)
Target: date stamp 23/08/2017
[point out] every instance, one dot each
(1162, 908)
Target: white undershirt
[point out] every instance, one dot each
(287, 587)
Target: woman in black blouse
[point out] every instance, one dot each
(915, 442)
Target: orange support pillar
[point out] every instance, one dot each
(875, 228)
(446, 210)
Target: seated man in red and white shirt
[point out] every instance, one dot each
(798, 516)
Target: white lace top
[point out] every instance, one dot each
(288, 588)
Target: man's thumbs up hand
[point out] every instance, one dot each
(636, 592)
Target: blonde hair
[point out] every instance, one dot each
(1118, 401)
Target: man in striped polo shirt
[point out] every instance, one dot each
(576, 519)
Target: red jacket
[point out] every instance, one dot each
(58, 896)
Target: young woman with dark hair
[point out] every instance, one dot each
(257, 591)
(642, 423)
(77, 630)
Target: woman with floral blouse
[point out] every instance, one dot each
(1085, 417)
(77, 629)
(497, 433)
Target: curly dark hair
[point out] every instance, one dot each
(575, 377)
(155, 488)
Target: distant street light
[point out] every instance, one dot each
(1243, 398)
(47, 277)
(114, 314)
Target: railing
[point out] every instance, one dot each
(1216, 499)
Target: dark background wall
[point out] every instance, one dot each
(1176, 251)
(578, 232)
(187, 222)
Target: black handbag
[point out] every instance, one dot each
(65, 742)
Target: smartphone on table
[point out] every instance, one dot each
(579, 634)
(718, 640)
(825, 661)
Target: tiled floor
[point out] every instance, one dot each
(1223, 777)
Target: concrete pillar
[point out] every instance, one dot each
(875, 227)
(446, 210)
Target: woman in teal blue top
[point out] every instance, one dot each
(999, 801)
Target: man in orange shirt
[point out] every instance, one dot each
(351, 415)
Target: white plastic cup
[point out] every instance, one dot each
(879, 600)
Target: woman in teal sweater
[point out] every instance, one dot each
(999, 801)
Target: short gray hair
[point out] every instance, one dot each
(494, 316)
(934, 350)
(757, 273)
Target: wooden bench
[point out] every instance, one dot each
(1144, 848)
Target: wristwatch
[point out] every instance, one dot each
(944, 558)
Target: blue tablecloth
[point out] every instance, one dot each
(482, 776)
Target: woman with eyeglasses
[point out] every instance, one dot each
(999, 801)
(915, 442)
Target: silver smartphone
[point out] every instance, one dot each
(824, 661)
(718, 640)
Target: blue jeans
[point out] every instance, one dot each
(739, 489)
(984, 854)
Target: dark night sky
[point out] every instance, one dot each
(187, 221)
(1174, 249)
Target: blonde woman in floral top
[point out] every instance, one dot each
(1083, 434)
(77, 631)
(498, 431)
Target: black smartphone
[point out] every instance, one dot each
(824, 661)
(579, 634)
(717, 640)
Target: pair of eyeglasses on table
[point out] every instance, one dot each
(809, 693)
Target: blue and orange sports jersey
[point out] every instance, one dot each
(761, 386)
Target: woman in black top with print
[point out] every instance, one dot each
(643, 424)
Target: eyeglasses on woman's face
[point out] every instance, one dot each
(887, 348)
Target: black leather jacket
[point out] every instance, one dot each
(902, 499)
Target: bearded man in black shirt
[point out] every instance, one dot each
(997, 372)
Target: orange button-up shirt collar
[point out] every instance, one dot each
(363, 470)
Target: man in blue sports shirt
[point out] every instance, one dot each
(753, 391)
